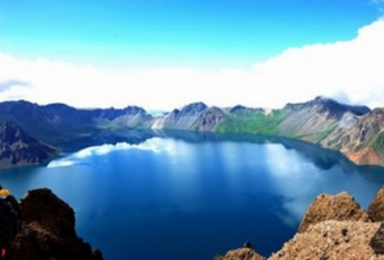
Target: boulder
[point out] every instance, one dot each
(332, 240)
(334, 227)
(377, 241)
(245, 253)
(376, 209)
(341, 207)
(48, 230)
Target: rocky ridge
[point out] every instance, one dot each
(355, 131)
(334, 227)
(18, 149)
(340, 207)
(376, 209)
(48, 230)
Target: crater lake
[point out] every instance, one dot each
(186, 195)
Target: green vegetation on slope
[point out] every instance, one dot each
(257, 123)
(323, 135)
(378, 143)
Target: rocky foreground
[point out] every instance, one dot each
(334, 227)
(48, 231)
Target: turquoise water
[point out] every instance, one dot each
(191, 197)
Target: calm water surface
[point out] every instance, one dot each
(173, 198)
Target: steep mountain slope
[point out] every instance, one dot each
(17, 148)
(362, 141)
(310, 121)
(356, 131)
(195, 116)
(249, 120)
(45, 123)
(58, 123)
(315, 120)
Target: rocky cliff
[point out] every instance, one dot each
(362, 141)
(48, 230)
(18, 149)
(58, 123)
(339, 207)
(334, 227)
(195, 116)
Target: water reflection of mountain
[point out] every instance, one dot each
(322, 158)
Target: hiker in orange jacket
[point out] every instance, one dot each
(10, 221)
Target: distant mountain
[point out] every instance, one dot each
(58, 123)
(195, 116)
(356, 131)
(314, 120)
(362, 139)
(334, 108)
(17, 148)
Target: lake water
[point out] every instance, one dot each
(188, 195)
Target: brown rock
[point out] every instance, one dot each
(376, 209)
(377, 241)
(364, 156)
(341, 207)
(48, 230)
(329, 240)
(243, 254)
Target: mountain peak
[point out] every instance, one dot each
(196, 107)
(134, 110)
(328, 104)
(323, 98)
(242, 109)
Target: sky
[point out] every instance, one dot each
(163, 54)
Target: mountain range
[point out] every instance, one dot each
(355, 131)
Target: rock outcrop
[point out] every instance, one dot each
(195, 117)
(377, 241)
(331, 240)
(376, 209)
(341, 207)
(242, 253)
(361, 141)
(334, 227)
(48, 230)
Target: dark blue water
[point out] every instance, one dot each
(170, 198)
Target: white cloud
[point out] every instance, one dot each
(154, 145)
(350, 69)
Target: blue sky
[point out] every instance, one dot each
(174, 32)
(186, 51)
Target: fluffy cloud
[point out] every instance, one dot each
(349, 70)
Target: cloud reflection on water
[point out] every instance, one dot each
(154, 145)
(300, 180)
